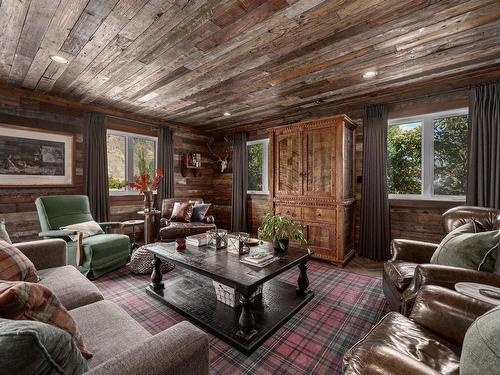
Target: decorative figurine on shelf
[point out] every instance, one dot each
(146, 185)
(223, 158)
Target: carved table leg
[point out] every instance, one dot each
(156, 275)
(246, 321)
(303, 281)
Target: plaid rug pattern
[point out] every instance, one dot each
(346, 305)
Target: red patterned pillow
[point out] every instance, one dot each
(27, 301)
(14, 265)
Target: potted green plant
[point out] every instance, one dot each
(280, 230)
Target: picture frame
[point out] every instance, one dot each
(32, 157)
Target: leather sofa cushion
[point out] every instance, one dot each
(400, 272)
(178, 230)
(408, 342)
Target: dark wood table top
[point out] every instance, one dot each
(225, 267)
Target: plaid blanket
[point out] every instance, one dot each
(28, 301)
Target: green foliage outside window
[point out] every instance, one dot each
(255, 160)
(405, 159)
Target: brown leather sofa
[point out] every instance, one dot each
(170, 230)
(409, 268)
(428, 342)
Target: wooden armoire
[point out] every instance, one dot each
(312, 177)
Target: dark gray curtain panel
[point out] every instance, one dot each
(240, 183)
(96, 165)
(483, 178)
(375, 225)
(166, 163)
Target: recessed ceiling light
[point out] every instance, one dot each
(227, 113)
(370, 74)
(59, 59)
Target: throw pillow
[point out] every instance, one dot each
(481, 346)
(3, 232)
(87, 228)
(30, 347)
(28, 301)
(14, 265)
(182, 212)
(141, 263)
(200, 211)
(465, 247)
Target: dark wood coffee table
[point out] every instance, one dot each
(193, 295)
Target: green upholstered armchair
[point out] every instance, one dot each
(101, 253)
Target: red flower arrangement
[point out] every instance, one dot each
(146, 182)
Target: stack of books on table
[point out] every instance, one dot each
(197, 240)
(259, 260)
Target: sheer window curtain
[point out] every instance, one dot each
(483, 179)
(240, 183)
(375, 224)
(96, 165)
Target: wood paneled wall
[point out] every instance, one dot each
(17, 204)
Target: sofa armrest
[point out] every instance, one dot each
(446, 312)
(209, 219)
(412, 251)
(45, 253)
(164, 222)
(181, 349)
(444, 276)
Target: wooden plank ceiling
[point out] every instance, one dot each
(189, 61)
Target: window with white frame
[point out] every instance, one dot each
(129, 155)
(258, 153)
(427, 156)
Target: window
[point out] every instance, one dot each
(427, 156)
(129, 155)
(257, 166)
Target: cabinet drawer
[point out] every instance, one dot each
(294, 212)
(319, 214)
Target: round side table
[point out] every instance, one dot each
(133, 223)
(149, 219)
(476, 291)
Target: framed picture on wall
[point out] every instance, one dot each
(33, 157)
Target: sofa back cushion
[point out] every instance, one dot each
(29, 301)
(469, 247)
(167, 205)
(481, 346)
(182, 212)
(57, 211)
(487, 218)
(3, 232)
(14, 265)
(30, 347)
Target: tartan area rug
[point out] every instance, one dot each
(345, 306)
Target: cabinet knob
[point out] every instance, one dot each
(319, 214)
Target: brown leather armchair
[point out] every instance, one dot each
(428, 342)
(408, 269)
(170, 230)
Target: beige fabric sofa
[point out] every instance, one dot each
(120, 345)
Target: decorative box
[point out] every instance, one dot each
(217, 238)
(236, 243)
(229, 295)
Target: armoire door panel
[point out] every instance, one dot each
(319, 162)
(321, 235)
(288, 176)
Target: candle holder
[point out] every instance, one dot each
(236, 243)
(217, 238)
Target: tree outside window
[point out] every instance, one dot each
(258, 166)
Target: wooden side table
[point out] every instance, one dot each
(149, 220)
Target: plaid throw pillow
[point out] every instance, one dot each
(14, 265)
(28, 301)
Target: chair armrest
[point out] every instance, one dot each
(45, 253)
(209, 219)
(106, 224)
(58, 233)
(412, 251)
(164, 222)
(181, 349)
(447, 313)
(444, 276)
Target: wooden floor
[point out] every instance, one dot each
(362, 266)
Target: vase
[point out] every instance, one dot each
(281, 246)
(148, 201)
